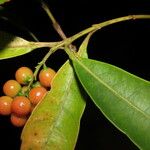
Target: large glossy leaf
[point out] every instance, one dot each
(12, 46)
(54, 124)
(122, 97)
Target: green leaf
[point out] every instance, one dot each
(122, 97)
(55, 122)
(3, 1)
(12, 46)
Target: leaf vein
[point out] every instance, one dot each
(112, 90)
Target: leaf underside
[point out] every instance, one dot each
(55, 122)
(13, 46)
(122, 97)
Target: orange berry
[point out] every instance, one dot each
(24, 75)
(36, 94)
(11, 88)
(17, 120)
(21, 106)
(45, 76)
(5, 105)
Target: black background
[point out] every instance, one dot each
(125, 45)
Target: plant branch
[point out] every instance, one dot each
(44, 44)
(57, 45)
(94, 27)
(40, 64)
(56, 25)
(104, 24)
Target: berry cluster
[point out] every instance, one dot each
(19, 99)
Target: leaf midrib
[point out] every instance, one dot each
(61, 110)
(27, 45)
(112, 90)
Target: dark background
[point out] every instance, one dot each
(125, 45)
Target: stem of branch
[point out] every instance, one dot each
(40, 64)
(68, 41)
(104, 24)
(94, 27)
(44, 44)
(56, 25)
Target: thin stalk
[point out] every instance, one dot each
(48, 44)
(94, 27)
(55, 24)
(68, 41)
(44, 44)
(40, 64)
(72, 54)
(104, 24)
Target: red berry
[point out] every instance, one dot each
(21, 106)
(5, 105)
(24, 75)
(11, 88)
(36, 94)
(17, 120)
(45, 76)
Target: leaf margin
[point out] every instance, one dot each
(77, 60)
